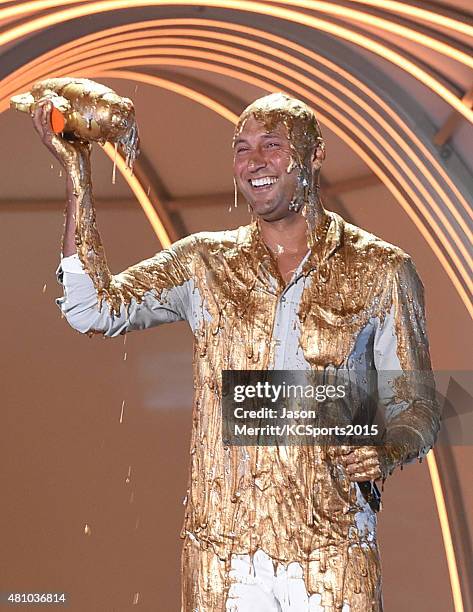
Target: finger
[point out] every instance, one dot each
(46, 108)
(352, 457)
(365, 476)
(369, 461)
(349, 459)
(41, 116)
(340, 451)
(354, 467)
(363, 452)
(368, 472)
(44, 101)
(367, 449)
(362, 465)
(37, 113)
(372, 473)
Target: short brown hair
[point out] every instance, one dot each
(302, 127)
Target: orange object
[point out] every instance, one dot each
(57, 120)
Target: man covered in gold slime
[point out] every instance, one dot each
(271, 527)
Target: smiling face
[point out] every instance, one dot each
(260, 167)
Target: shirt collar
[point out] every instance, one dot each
(326, 238)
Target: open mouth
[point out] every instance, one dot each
(263, 183)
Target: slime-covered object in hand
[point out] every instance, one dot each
(91, 112)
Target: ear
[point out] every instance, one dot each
(319, 154)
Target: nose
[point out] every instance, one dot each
(256, 161)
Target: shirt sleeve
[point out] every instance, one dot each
(72, 263)
(406, 388)
(150, 293)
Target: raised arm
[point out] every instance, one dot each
(406, 384)
(152, 292)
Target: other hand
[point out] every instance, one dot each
(361, 463)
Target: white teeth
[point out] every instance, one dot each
(260, 182)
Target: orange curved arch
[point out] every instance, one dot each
(132, 181)
(420, 13)
(314, 5)
(140, 194)
(249, 6)
(384, 24)
(457, 25)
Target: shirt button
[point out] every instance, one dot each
(283, 299)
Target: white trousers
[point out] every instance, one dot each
(255, 586)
